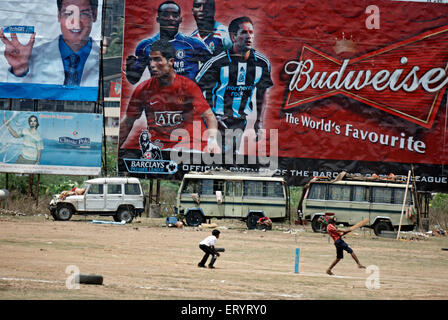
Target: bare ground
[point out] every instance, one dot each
(147, 260)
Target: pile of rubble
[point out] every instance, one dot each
(438, 232)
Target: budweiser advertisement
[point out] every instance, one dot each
(291, 88)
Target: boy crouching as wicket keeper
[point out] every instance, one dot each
(208, 246)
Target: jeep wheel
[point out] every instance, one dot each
(318, 226)
(64, 212)
(194, 218)
(381, 226)
(125, 214)
(252, 220)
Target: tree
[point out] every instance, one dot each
(116, 40)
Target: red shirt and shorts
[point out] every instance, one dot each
(167, 108)
(340, 244)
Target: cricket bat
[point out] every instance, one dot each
(359, 224)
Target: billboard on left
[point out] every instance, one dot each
(50, 143)
(50, 49)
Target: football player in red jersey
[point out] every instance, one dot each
(170, 101)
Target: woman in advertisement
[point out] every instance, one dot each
(32, 141)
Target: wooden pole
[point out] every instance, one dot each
(417, 204)
(30, 183)
(150, 196)
(404, 204)
(37, 190)
(147, 203)
(158, 192)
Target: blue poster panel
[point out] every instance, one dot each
(49, 49)
(50, 143)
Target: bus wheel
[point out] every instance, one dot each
(194, 218)
(252, 220)
(318, 226)
(381, 226)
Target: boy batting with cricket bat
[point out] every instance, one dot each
(339, 243)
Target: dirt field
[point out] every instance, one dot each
(147, 260)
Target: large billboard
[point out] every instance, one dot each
(299, 88)
(50, 49)
(50, 143)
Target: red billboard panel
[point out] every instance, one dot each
(307, 88)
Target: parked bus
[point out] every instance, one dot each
(220, 194)
(353, 198)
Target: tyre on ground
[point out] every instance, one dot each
(89, 279)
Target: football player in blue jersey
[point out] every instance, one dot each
(191, 53)
(213, 33)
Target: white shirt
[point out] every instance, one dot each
(209, 241)
(32, 142)
(46, 66)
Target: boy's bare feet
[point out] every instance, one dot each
(360, 266)
(329, 272)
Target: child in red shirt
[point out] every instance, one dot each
(339, 243)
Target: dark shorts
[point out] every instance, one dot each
(340, 247)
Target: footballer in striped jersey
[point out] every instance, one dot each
(235, 81)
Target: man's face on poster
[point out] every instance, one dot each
(160, 66)
(169, 17)
(244, 38)
(76, 19)
(203, 11)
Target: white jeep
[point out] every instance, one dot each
(121, 198)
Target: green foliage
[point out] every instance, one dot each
(48, 184)
(110, 154)
(295, 194)
(440, 202)
(116, 41)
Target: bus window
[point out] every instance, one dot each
(207, 187)
(218, 185)
(238, 189)
(210, 186)
(229, 188)
(253, 188)
(339, 193)
(381, 195)
(317, 192)
(399, 196)
(233, 188)
(190, 186)
(274, 189)
(360, 194)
